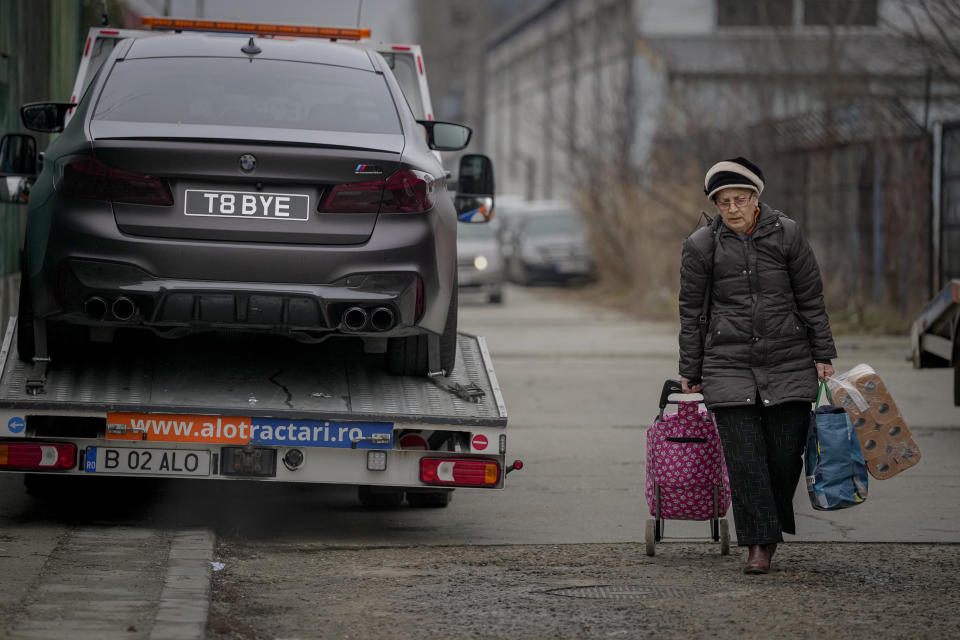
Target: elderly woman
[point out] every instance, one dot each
(754, 340)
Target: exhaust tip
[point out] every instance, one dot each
(382, 319)
(355, 318)
(123, 308)
(95, 307)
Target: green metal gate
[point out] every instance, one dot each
(39, 56)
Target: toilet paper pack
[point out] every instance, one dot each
(888, 447)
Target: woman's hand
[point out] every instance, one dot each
(697, 388)
(824, 371)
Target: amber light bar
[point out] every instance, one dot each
(258, 28)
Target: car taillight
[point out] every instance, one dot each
(460, 472)
(27, 456)
(358, 197)
(406, 191)
(86, 177)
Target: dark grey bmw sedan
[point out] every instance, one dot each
(211, 183)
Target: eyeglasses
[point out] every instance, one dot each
(739, 201)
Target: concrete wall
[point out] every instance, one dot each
(686, 73)
(557, 87)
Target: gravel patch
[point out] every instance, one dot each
(585, 591)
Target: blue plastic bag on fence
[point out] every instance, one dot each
(835, 469)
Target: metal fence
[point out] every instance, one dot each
(857, 179)
(865, 209)
(948, 218)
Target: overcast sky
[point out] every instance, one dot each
(390, 20)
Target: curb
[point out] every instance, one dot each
(185, 598)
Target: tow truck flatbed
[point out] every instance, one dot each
(261, 377)
(304, 397)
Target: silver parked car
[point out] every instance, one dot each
(480, 263)
(550, 242)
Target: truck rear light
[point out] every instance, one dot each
(405, 191)
(36, 456)
(460, 472)
(87, 177)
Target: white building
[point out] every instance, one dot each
(574, 83)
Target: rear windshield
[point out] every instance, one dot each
(248, 93)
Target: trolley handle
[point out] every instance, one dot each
(670, 387)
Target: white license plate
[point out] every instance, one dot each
(246, 204)
(166, 462)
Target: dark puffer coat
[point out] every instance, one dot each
(767, 321)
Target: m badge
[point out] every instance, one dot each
(367, 170)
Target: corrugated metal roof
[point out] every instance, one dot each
(856, 121)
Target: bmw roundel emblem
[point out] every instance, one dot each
(248, 162)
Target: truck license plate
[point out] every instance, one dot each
(247, 204)
(167, 462)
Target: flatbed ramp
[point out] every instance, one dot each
(265, 376)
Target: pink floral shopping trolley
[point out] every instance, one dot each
(686, 475)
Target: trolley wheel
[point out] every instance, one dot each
(724, 538)
(651, 537)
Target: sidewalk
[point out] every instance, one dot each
(826, 590)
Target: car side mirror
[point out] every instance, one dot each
(474, 199)
(45, 117)
(15, 189)
(18, 155)
(446, 136)
(18, 167)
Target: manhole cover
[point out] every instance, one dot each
(622, 592)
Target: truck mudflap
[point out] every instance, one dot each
(259, 408)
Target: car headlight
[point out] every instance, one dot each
(480, 262)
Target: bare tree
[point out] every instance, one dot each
(933, 29)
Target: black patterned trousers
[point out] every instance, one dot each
(763, 448)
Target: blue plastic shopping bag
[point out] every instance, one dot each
(835, 469)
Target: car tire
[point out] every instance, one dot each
(956, 367)
(429, 499)
(63, 340)
(523, 275)
(66, 341)
(26, 344)
(409, 356)
(385, 498)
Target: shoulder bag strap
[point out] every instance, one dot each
(703, 319)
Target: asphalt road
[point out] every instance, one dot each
(581, 385)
